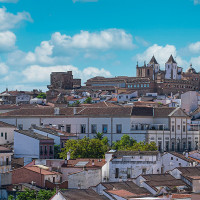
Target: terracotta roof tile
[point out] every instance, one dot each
(41, 171)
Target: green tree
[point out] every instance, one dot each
(42, 95)
(33, 195)
(88, 100)
(85, 148)
(99, 136)
(125, 143)
(128, 143)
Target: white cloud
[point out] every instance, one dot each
(195, 62)
(106, 39)
(9, 20)
(141, 41)
(7, 41)
(196, 2)
(3, 68)
(60, 48)
(162, 54)
(194, 47)
(36, 73)
(9, 1)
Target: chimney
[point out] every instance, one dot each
(68, 155)
(56, 111)
(186, 154)
(92, 162)
(75, 111)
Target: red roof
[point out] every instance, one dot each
(41, 171)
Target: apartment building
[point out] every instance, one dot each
(169, 128)
(29, 145)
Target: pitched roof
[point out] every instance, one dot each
(171, 60)
(181, 156)
(84, 194)
(163, 111)
(120, 154)
(85, 162)
(40, 170)
(5, 150)
(5, 125)
(125, 188)
(142, 111)
(101, 104)
(153, 61)
(178, 112)
(33, 135)
(117, 111)
(158, 180)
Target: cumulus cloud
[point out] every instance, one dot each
(195, 62)
(194, 47)
(9, 20)
(7, 41)
(141, 41)
(196, 2)
(36, 73)
(3, 68)
(9, 1)
(61, 48)
(106, 39)
(161, 53)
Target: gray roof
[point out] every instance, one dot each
(33, 135)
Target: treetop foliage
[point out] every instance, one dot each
(99, 145)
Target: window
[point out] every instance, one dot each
(93, 128)
(68, 128)
(172, 158)
(183, 128)
(20, 126)
(179, 127)
(5, 136)
(104, 128)
(127, 96)
(172, 128)
(138, 85)
(141, 85)
(41, 150)
(144, 85)
(116, 172)
(159, 146)
(60, 126)
(7, 161)
(119, 128)
(134, 85)
(144, 171)
(147, 85)
(128, 172)
(1, 134)
(45, 150)
(83, 128)
(51, 150)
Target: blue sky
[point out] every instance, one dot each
(93, 37)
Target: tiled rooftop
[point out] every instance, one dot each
(33, 135)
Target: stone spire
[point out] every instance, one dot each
(153, 60)
(171, 60)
